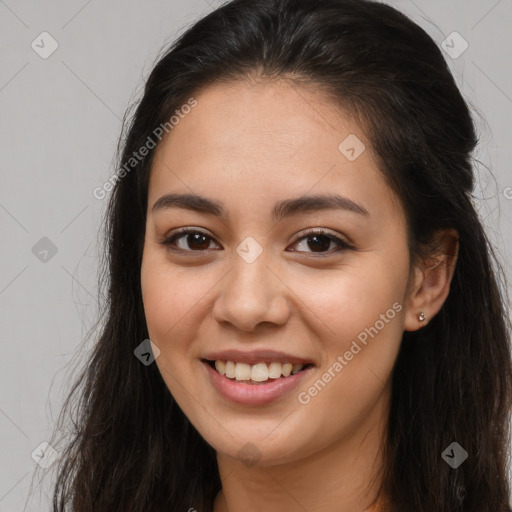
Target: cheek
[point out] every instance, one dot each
(358, 364)
(356, 297)
(166, 298)
(172, 302)
(170, 295)
(361, 314)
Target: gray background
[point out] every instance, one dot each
(60, 119)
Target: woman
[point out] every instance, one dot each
(292, 227)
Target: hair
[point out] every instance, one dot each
(132, 448)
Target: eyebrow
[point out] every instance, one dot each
(282, 209)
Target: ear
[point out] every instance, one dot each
(431, 280)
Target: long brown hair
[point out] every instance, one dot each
(132, 448)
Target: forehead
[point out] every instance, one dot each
(276, 115)
(266, 140)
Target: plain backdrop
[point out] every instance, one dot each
(60, 120)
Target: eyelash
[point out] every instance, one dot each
(309, 233)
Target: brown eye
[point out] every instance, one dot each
(187, 239)
(320, 242)
(315, 242)
(197, 241)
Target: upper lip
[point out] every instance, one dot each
(256, 356)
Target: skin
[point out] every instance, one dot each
(248, 145)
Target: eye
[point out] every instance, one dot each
(195, 240)
(320, 241)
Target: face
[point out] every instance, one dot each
(252, 286)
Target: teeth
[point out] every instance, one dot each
(296, 368)
(220, 366)
(242, 371)
(286, 370)
(260, 372)
(230, 369)
(275, 370)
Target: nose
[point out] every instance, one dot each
(251, 294)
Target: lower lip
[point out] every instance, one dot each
(254, 394)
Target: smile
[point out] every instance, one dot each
(257, 384)
(260, 372)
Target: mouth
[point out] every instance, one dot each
(258, 384)
(261, 373)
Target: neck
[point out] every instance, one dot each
(345, 477)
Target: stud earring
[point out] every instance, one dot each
(421, 316)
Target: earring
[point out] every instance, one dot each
(421, 316)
